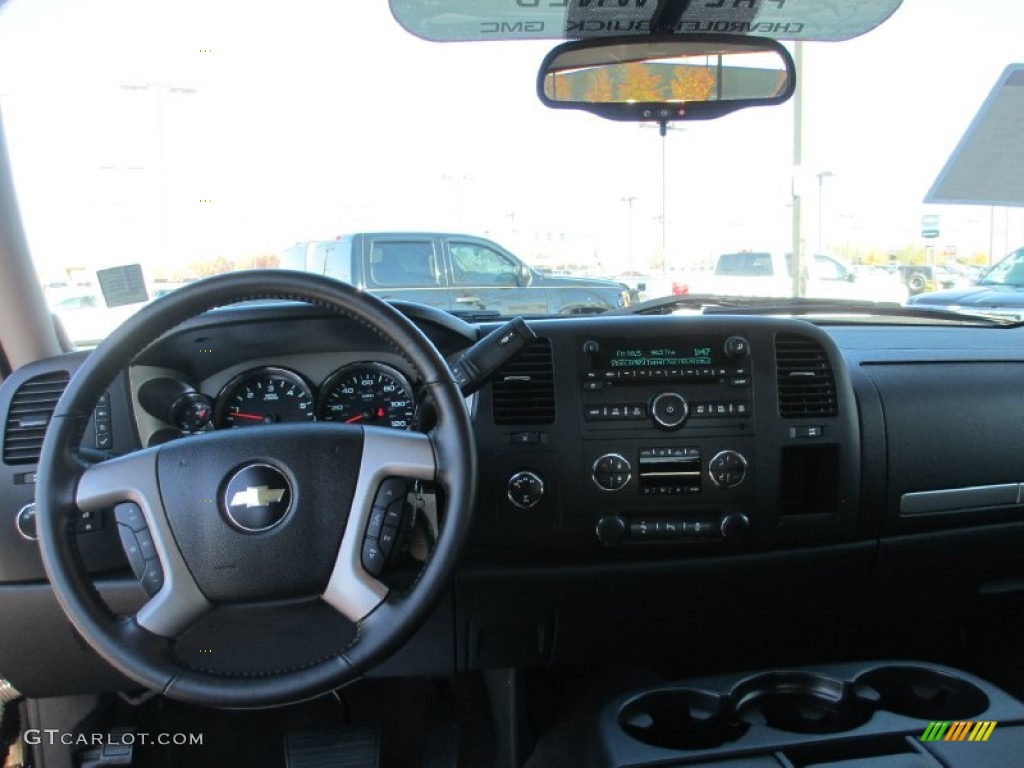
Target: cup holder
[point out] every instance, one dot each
(801, 702)
(681, 719)
(926, 694)
(798, 702)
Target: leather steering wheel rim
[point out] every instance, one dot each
(65, 483)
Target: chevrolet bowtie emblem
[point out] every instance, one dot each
(260, 496)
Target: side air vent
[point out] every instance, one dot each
(524, 390)
(31, 408)
(806, 385)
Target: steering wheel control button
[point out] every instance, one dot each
(129, 514)
(388, 535)
(376, 522)
(727, 469)
(373, 558)
(257, 497)
(392, 489)
(26, 521)
(669, 410)
(152, 577)
(525, 489)
(132, 550)
(611, 472)
(146, 545)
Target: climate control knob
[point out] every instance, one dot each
(611, 530)
(734, 527)
(611, 472)
(525, 489)
(669, 410)
(728, 469)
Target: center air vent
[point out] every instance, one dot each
(524, 390)
(806, 385)
(31, 408)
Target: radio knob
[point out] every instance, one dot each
(737, 347)
(728, 468)
(611, 530)
(525, 489)
(669, 410)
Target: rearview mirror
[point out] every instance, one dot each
(662, 79)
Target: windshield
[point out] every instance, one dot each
(198, 138)
(1009, 271)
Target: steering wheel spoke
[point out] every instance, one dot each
(129, 483)
(352, 589)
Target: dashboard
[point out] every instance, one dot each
(647, 485)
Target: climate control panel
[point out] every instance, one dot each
(669, 470)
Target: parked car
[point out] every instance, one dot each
(770, 273)
(85, 316)
(998, 291)
(452, 272)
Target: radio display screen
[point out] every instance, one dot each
(688, 353)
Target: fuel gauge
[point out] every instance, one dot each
(192, 413)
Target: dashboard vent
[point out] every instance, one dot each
(31, 408)
(524, 390)
(806, 384)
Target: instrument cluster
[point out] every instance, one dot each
(367, 393)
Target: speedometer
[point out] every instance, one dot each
(368, 393)
(264, 396)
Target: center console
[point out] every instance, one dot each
(680, 434)
(663, 419)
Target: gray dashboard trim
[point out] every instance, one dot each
(978, 497)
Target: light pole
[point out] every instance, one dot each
(161, 89)
(663, 129)
(458, 195)
(629, 226)
(821, 186)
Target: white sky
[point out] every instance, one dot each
(315, 117)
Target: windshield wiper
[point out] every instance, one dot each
(709, 304)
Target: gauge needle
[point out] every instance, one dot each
(250, 416)
(354, 419)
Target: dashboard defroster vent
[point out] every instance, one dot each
(31, 408)
(524, 390)
(806, 385)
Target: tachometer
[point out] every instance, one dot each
(265, 396)
(368, 393)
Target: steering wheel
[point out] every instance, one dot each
(258, 535)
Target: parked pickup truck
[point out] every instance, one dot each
(999, 291)
(452, 272)
(763, 273)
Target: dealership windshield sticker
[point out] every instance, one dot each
(450, 20)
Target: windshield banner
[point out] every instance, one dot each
(450, 20)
